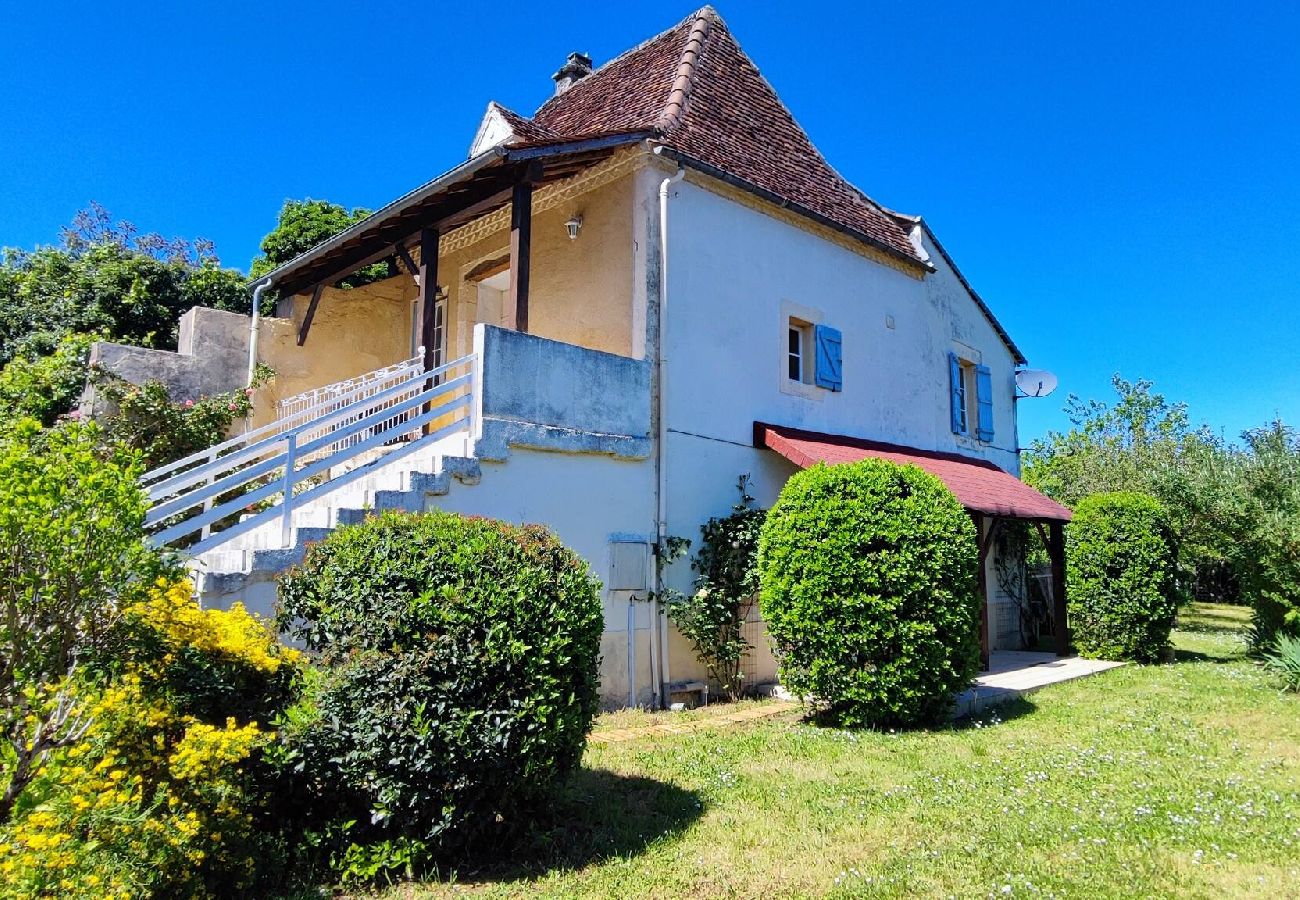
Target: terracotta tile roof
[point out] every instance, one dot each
(525, 129)
(702, 95)
(978, 484)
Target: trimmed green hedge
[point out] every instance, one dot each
(869, 591)
(459, 684)
(1120, 577)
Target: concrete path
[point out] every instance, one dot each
(1013, 674)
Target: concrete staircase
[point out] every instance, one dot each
(245, 569)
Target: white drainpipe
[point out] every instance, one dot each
(661, 458)
(253, 328)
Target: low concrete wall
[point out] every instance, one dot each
(211, 358)
(548, 395)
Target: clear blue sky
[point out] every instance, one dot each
(1121, 182)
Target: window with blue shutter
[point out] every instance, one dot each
(957, 394)
(984, 396)
(829, 370)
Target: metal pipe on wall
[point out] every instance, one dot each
(661, 461)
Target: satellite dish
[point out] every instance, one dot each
(1035, 382)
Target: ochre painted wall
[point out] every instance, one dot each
(580, 293)
(353, 332)
(580, 290)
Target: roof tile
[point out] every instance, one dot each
(707, 100)
(978, 484)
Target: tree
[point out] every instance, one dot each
(1268, 550)
(106, 278)
(72, 556)
(1146, 444)
(46, 387)
(302, 225)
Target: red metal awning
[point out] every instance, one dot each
(979, 485)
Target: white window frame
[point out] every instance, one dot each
(968, 361)
(798, 346)
(805, 319)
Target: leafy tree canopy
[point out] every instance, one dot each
(106, 277)
(301, 226)
(1144, 443)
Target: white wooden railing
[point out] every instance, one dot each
(288, 462)
(341, 393)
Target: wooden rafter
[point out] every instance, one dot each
(311, 313)
(401, 253)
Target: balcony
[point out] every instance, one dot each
(514, 390)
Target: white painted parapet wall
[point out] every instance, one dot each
(547, 395)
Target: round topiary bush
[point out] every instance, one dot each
(868, 588)
(1120, 577)
(459, 679)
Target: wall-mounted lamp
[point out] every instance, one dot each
(573, 226)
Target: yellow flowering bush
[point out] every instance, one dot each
(161, 795)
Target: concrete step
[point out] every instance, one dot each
(253, 561)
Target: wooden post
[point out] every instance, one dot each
(1056, 550)
(985, 542)
(428, 303)
(521, 239)
(428, 291)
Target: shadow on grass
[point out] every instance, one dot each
(1008, 710)
(1001, 711)
(1200, 618)
(599, 815)
(1181, 656)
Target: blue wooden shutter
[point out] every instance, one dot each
(984, 394)
(955, 398)
(829, 371)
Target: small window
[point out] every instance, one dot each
(972, 398)
(960, 418)
(798, 351)
(969, 410)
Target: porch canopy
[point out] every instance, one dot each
(499, 176)
(990, 494)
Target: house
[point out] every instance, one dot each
(602, 319)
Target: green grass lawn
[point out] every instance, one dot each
(1173, 780)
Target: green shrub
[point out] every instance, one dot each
(71, 542)
(726, 589)
(146, 418)
(868, 574)
(46, 387)
(460, 680)
(166, 791)
(1283, 660)
(1120, 577)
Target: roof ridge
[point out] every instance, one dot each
(584, 84)
(671, 116)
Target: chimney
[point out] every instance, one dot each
(575, 68)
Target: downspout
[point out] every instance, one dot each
(253, 328)
(661, 455)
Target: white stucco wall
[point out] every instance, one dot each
(735, 276)
(589, 501)
(732, 270)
